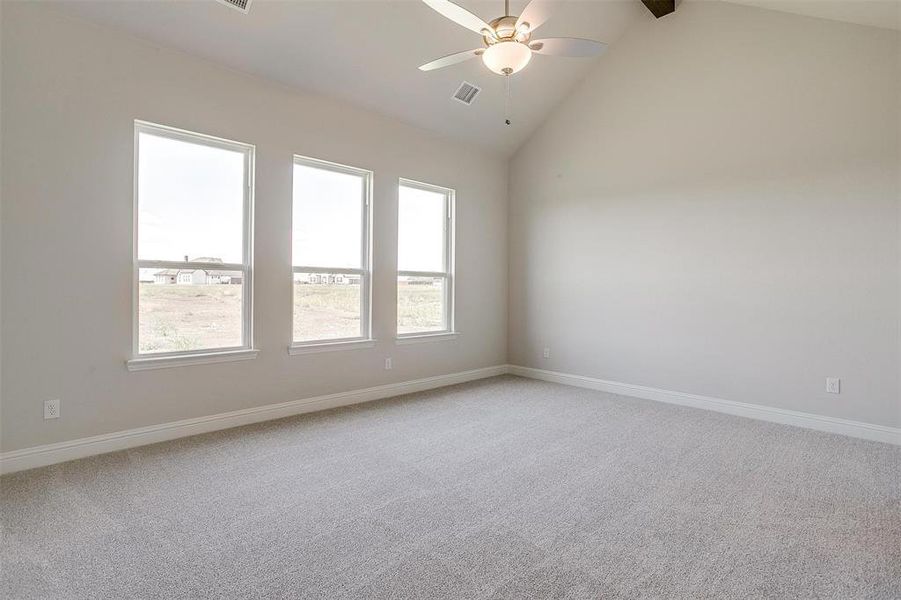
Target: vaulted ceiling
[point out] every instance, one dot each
(885, 14)
(367, 52)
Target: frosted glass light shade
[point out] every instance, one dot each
(506, 58)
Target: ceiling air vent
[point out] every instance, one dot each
(242, 5)
(466, 93)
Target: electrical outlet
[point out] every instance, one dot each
(833, 385)
(547, 352)
(51, 409)
(387, 364)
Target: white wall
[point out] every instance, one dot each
(70, 94)
(715, 210)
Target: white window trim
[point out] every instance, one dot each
(449, 332)
(418, 338)
(165, 362)
(245, 351)
(330, 346)
(364, 340)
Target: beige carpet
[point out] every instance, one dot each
(504, 488)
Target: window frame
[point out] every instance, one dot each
(153, 360)
(365, 339)
(449, 331)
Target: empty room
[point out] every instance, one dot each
(470, 299)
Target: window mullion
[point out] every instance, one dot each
(168, 264)
(422, 273)
(341, 270)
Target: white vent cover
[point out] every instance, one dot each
(466, 93)
(242, 5)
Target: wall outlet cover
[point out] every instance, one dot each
(833, 385)
(51, 409)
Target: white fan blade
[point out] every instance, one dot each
(567, 47)
(451, 59)
(459, 15)
(535, 14)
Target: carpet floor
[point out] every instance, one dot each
(502, 488)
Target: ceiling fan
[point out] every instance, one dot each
(507, 41)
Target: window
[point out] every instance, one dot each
(425, 259)
(330, 253)
(193, 196)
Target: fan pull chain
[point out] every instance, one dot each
(507, 99)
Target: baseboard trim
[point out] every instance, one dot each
(40, 456)
(858, 429)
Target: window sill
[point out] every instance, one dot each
(312, 348)
(164, 362)
(426, 337)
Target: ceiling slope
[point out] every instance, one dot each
(368, 52)
(885, 14)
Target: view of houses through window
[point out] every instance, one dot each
(189, 309)
(192, 198)
(193, 208)
(330, 252)
(424, 259)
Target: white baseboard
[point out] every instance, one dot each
(40, 456)
(858, 429)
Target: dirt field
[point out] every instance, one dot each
(193, 317)
(419, 308)
(333, 311)
(189, 317)
(326, 312)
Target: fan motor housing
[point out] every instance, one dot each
(505, 28)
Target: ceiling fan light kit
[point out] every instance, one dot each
(506, 58)
(507, 45)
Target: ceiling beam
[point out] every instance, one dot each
(660, 8)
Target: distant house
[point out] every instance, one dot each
(419, 281)
(198, 276)
(328, 278)
(166, 276)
